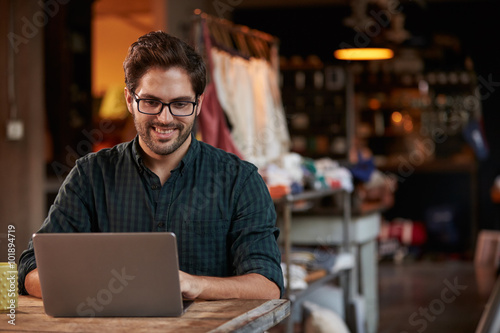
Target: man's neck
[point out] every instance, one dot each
(162, 165)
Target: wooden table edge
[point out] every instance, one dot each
(259, 319)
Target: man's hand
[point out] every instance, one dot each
(32, 284)
(249, 286)
(191, 286)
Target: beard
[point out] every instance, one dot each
(163, 147)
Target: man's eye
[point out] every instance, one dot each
(151, 103)
(180, 105)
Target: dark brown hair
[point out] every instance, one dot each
(159, 49)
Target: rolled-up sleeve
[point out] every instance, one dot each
(253, 235)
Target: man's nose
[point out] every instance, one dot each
(165, 116)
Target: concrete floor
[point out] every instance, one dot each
(429, 297)
(432, 297)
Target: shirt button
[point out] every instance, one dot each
(155, 187)
(161, 225)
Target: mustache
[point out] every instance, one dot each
(167, 126)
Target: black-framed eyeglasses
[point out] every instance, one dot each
(153, 107)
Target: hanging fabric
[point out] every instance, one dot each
(244, 68)
(212, 122)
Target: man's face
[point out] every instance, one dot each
(163, 134)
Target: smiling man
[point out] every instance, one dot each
(164, 136)
(165, 180)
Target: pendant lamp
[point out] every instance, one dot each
(356, 54)
(369, 53)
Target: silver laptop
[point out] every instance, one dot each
(109, 274)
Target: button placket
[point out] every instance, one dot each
(164, 196)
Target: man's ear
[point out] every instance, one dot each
(129, 99)
(200, 101)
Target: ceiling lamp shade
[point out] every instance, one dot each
(363, 54)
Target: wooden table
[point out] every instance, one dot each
(203, 316)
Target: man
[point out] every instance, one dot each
(165, 180)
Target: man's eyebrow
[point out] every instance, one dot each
(176, 99)
(149, 96)
(183, 98)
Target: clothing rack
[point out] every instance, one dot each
(243, 40)
(241, 62)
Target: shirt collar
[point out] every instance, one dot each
(193, 150)
(136, 154)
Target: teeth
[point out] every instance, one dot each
(163, 131)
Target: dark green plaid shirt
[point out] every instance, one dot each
(217, 205)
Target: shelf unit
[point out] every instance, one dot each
(285, 206)
(314, 99)
(413, 113)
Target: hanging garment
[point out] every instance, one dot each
(245, 92)
(212, 123)
(234, 91)
(271, 130)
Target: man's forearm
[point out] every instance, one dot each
(32, 284)
(249, 286)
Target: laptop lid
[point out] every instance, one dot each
(109, 274)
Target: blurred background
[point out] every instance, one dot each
(63, 80)
(428, 116)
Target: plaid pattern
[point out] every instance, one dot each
(217, 205)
